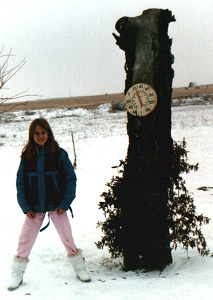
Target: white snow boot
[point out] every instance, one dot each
(79, 266)
(18, 269)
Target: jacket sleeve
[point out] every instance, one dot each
(21, 189)
(70, 181)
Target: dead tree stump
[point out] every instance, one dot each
(148, 169)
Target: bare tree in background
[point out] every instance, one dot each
(6, 73)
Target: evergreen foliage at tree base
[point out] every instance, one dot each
(183, 221)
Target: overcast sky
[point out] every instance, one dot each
(70, 50)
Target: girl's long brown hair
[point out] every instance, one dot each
(31, 148)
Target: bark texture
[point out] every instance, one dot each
(148, 169)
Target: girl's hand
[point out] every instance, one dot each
(59, 210)
(30, 214)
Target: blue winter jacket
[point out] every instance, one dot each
(46, 182)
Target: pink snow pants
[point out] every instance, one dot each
(31, 228)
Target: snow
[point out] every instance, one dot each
(101, 141)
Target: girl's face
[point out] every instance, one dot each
(40, 136)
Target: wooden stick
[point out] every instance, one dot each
(73, 143)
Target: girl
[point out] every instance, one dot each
(46, 182)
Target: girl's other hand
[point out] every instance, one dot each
(30, 214)
(59, 210)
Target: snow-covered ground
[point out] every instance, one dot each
(101, 141)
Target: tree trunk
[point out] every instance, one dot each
(147, 172)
